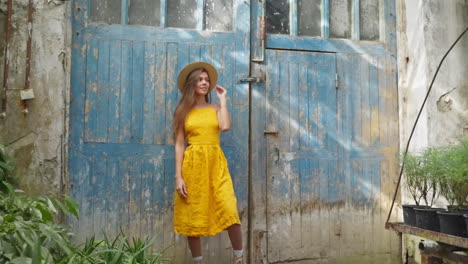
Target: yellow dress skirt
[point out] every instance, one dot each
(211, 205)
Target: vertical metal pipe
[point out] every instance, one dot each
(124, 12)
(28, 54)
(7, 62)
(200, 15)
(325, 18)
(355, 35)
(293, 17)
(163, 13)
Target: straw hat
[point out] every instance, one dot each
(185, 72)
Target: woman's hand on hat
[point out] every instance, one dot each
(181, 188)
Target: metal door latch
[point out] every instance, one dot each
(270, 132)
(251, 79)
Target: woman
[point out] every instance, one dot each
(205, 203)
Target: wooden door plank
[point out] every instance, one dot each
(114, 91)
(124, 175)
(102, 94)
(113, 182)
(137, 101)
(194, 53)
(149, 93)
(98, 181)
(312, 106)
(91, 101)
(172, 89)
(160, 114)
(365, 102)
(125, 115)
(374, 101)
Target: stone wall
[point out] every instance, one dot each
(38, 139)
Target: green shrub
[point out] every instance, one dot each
(27, 228)
(29, 234)
(6, 169)
(454, 184)
(414, 175)
(433, 168)
(438, 171)
(118, 250)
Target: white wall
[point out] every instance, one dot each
(426, 30)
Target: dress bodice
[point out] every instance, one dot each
(201, 127)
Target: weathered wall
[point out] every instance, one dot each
(38, 139)
(426, 29)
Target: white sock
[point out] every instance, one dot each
(238, 253)
(198, 258)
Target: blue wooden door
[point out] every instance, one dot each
(325, 123)
(126, 57)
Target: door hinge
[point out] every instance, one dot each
(337, 83)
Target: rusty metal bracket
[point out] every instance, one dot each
(27, 80)
(457, 241)
(259, 55)
(6, 59)
(262, 28)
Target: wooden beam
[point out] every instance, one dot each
(436, 236)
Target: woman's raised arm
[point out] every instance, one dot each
(224, 119)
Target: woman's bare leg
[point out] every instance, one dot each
(235, 234)
(195, 246)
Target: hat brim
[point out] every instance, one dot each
(184, 73)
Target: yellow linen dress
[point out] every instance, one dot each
(211, 205)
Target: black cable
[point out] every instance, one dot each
(416, 122)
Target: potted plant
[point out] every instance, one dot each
(433, 165)
(416, 183)
(454, 187)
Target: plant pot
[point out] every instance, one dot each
(409, 215)
(452, 223)
(463, 209)
(466, 221)
(426, 218)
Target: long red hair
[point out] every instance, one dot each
(188, 100)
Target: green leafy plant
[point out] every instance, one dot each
(422, 174)
(414, 176)
(454, 182)
(27, 228)
(6, 169)
(30, 234)
(433, 167)
(118, 250)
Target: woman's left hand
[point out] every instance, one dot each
(221, 92)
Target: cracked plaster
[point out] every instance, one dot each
(38, 139)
